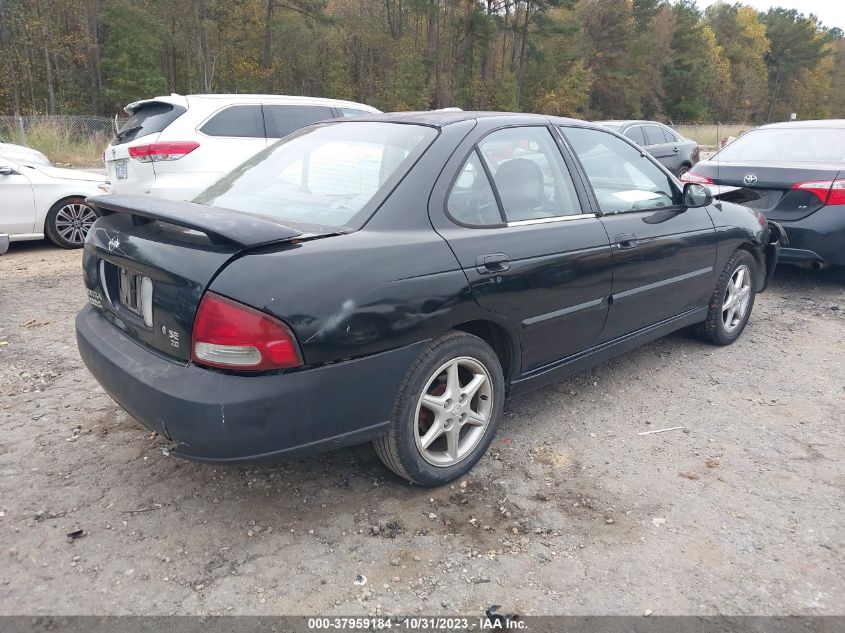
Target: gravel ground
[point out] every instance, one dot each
(571, 512)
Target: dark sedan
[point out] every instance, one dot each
(676, 153)
(395, 278)
(795, 173)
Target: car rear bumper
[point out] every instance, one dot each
(816, 240)
(219, 417)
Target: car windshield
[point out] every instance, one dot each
(802, 144)
(333, 174)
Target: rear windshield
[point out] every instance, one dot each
(815, 145)
(333, 174)
(150, 118)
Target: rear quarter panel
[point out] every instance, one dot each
(390, 284)
(739, 227)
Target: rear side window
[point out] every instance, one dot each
(281, 120)
(150, 118)
(472, 200)
(636, 134)
(529, 174)
(669, 135)
(244, 121)
(621, 176)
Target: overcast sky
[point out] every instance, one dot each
(830, 12)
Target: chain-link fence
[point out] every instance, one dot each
(65, 139)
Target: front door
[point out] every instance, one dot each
(663, 253)
(523, 234)
(17, 213)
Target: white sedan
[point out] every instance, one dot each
(38, 200)
(9, 151)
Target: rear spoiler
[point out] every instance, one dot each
(220, 225)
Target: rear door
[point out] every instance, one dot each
(663, 253)
(662, 146)
(17, 211)
(231, 136)
(527, 240)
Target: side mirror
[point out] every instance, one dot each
(696, 195)
(5, 170)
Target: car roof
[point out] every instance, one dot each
(442, 118)
(185, 100)
(625, 122)
(819, 124)
(292, 99)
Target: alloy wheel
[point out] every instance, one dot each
(736, 299)
(453, 411)
(73, 221)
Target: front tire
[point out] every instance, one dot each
(732, 300)
(68, 222)
(446, 413)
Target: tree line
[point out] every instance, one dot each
(584, 58)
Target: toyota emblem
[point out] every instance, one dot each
(750, 179)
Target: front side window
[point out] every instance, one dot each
(622, 178)
(281, 120)
(244, 121)
(669, 135)
(529, 174)
(333, 175)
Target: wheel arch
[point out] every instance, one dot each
(759, 259)
(501, 339)
(60, 201)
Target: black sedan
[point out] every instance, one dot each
(395, 278)
(676, 153)
(795, 173)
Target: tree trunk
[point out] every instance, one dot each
(524, 38)
(205, 49)
(267, 48)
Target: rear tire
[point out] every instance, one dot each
(731, 302)
(68, 222)
(682, 170)
(446, 413)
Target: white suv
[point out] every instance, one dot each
(174, 147)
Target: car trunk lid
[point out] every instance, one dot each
(147, 262)
(769, 188)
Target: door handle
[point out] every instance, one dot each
(675, 149)
(492, 263)
(626, 240)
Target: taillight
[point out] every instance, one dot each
(696, 154)
(154, 152)
(231, 335)
(828, 191)
(691, 177)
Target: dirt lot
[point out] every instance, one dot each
(571, 512)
